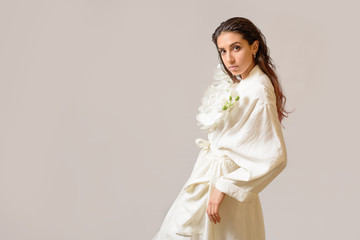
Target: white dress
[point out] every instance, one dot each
(244, 152)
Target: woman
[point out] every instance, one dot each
(242, 112)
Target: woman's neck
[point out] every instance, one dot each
(248, 70)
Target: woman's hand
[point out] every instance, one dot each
(215, 200)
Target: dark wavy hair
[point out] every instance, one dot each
(251, 33)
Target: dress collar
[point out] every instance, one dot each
(255, 71)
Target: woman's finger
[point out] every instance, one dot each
(208, 211)
(212, 219)
(215, 213)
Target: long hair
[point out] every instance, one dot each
(251, 33)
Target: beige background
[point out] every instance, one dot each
(98, 102)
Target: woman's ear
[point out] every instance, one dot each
(255, 46)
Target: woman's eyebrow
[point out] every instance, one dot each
(230, 45)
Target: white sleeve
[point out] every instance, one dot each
(257, 147)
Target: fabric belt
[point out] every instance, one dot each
(214, 155)
(206, 145)
(202, 143)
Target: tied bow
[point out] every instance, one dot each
(202, 143)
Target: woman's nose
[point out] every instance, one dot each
(230, 58)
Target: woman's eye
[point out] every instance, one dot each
(236, 48)
(222, 51)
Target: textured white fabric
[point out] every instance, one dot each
(244, 152)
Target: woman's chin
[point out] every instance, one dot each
(235, 72)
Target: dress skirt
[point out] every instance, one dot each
(187, 217)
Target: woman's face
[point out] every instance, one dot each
(236, 53)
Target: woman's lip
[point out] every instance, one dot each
(233, 67)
